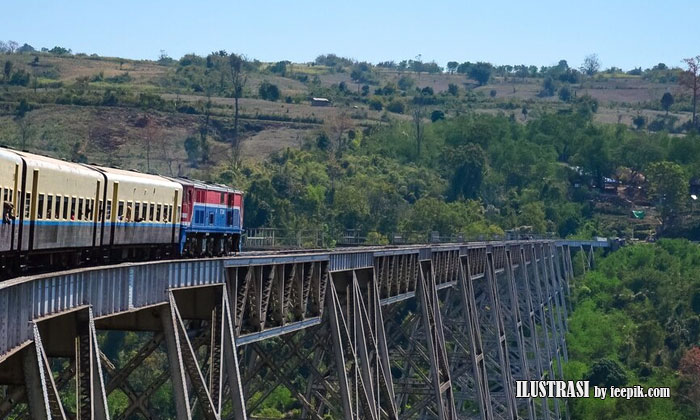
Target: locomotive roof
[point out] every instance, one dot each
(204, 185)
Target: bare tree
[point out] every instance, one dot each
(690, 79)
(336, 126)
(12, 46)
(7, 71)
(591, 64)
(152, 134)
(238, 79)
(204, 131)
(25, 129)
(3, 47)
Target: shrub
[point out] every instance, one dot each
(396, 107)
(268, 91)
(375, 104)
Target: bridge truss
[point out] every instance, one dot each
(414, 332)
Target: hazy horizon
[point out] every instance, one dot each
(626, 34)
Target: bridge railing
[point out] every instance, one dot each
(275, 238)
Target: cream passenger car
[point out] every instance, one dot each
(56, 211)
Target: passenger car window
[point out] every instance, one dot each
(49, 206)
(40, 207)
(27, 204)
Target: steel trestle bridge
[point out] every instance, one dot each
(423, 331)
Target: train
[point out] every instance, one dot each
(59, 214)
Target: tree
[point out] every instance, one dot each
(63, 51)
(453, 89)
(375, 104)
(565, 94)
(405, 82)
(666, 101)
(481, 72)
(26, 48)
(689, 366)
(452, 66)
(467, 167)
(420, 130)
(280, 67)
(7, 71)
(437, 115)
(639, 121)
(12, 46)
(268, 91)
(396, 106)
(690, 79)
(152, 135)
(24, 123)
(591, 64)
(607, 372)
(238, 79)
(548, 87)
(668, 185)
(204, 131)
(336, 126)
(192, 150)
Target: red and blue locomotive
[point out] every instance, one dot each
(212, 219)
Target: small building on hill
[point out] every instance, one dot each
(320, 102)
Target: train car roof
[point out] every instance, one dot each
(204, 185)
(56, 164)
(10, 155)
(136, 177)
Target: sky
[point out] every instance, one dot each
(623, 33)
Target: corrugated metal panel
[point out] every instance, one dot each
(351, 261)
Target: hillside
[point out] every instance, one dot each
(80, 104)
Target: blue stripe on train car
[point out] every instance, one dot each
(83, 223)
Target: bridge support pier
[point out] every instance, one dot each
(434, 333)
(42, 390)
(185, 370)
(359, 340)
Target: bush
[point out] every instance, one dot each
(396, 107)
(437, 115)
(268, 91)
(375, 104)
(565, 94)
(548, 87)
(453, 89)
(405, 83)
(19, 78)
(639, 121)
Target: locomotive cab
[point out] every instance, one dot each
(211, 219)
